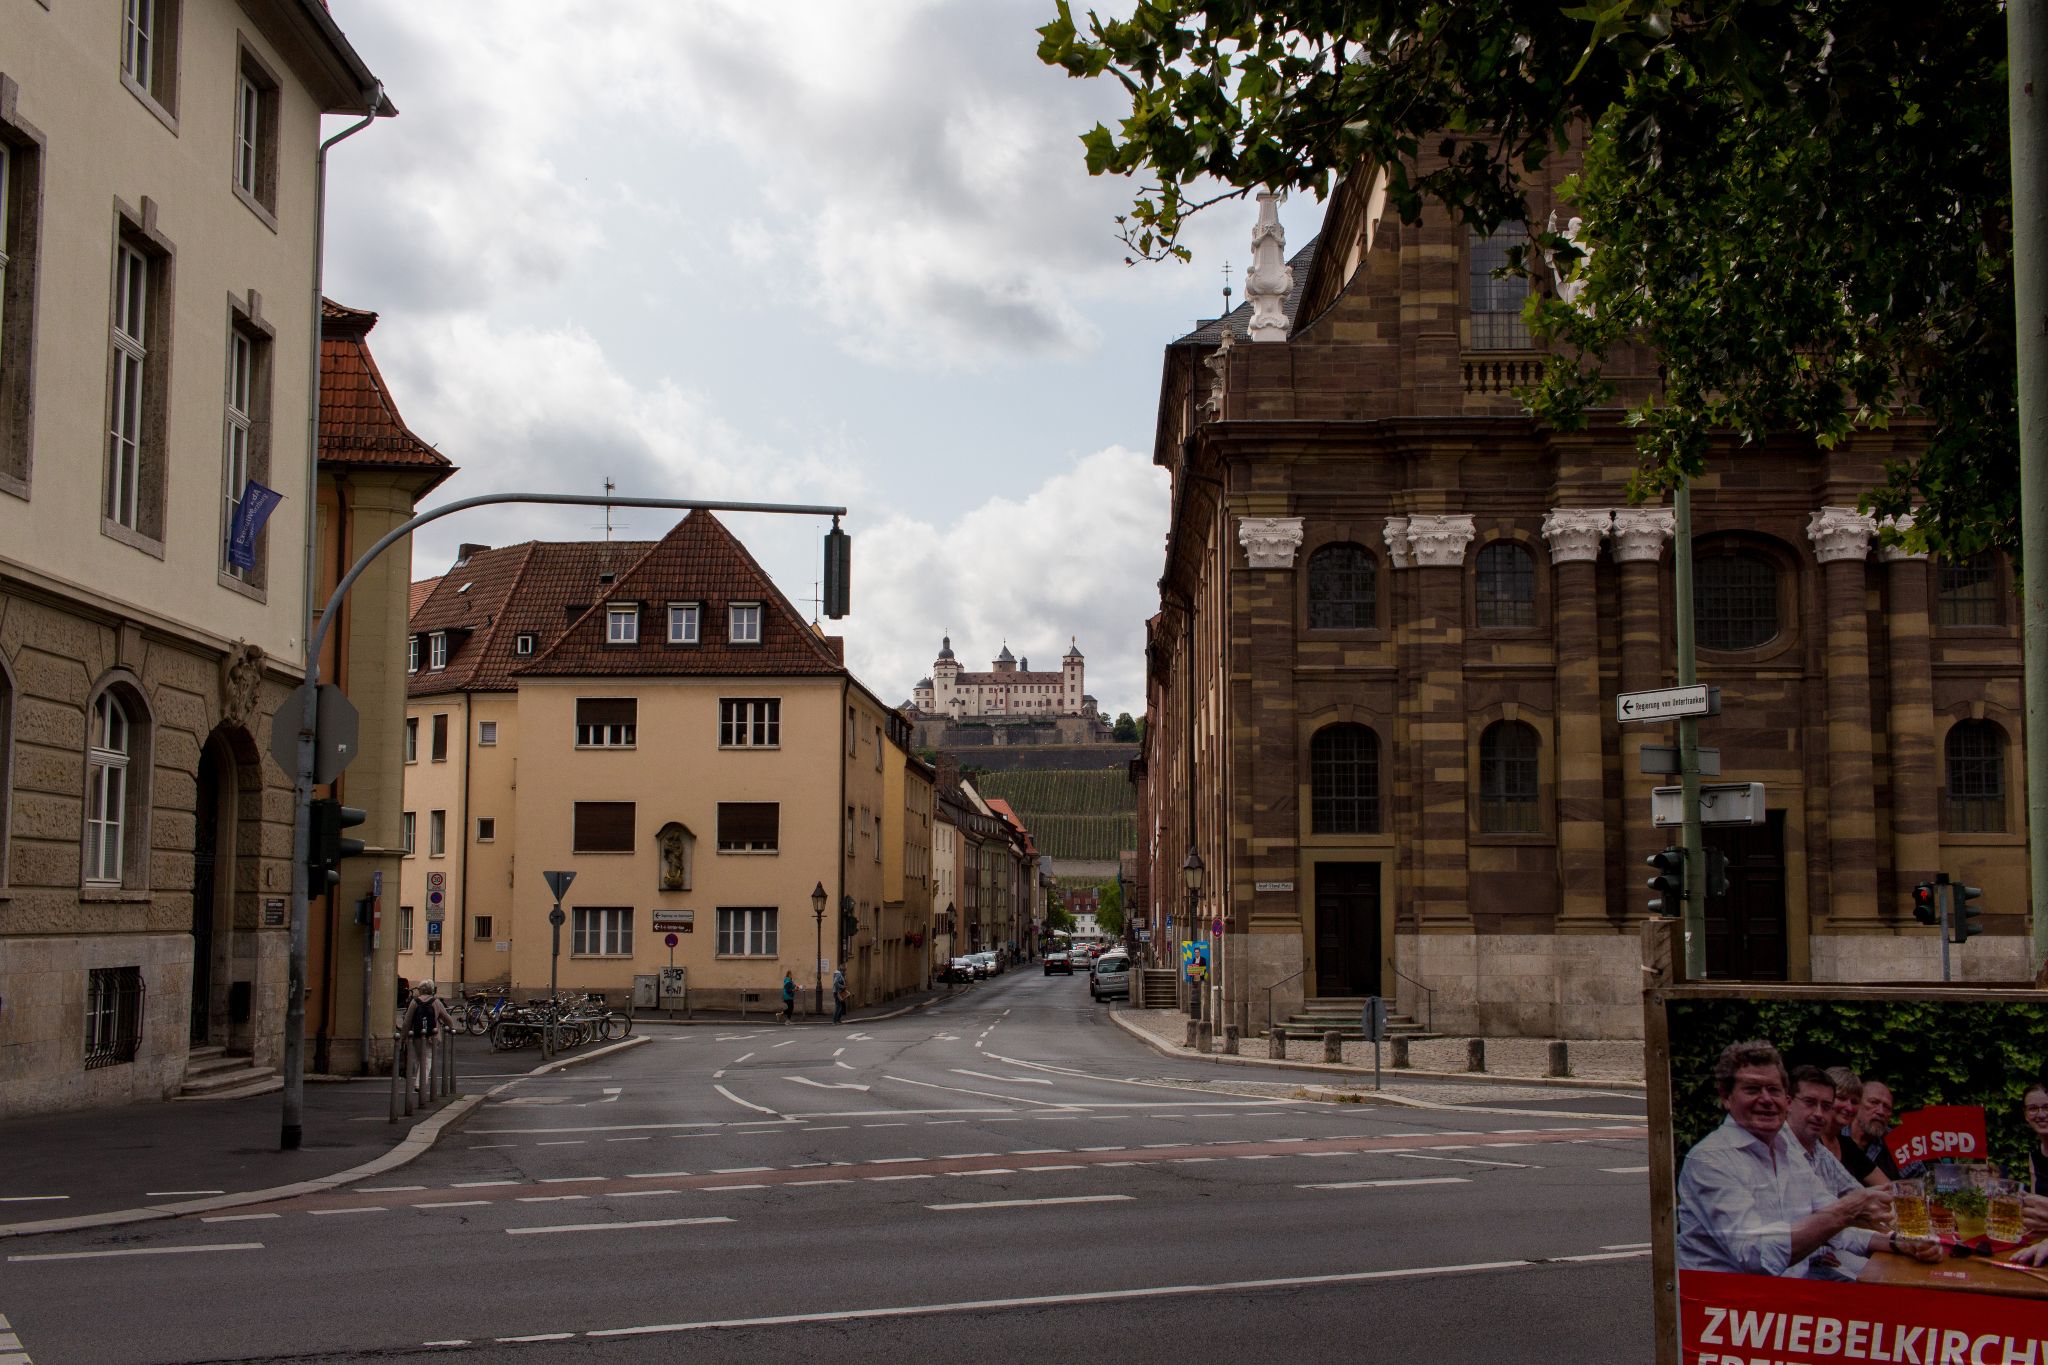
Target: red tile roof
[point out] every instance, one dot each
(489, 600)
(421, 590)
(699, 561)
(359, 421)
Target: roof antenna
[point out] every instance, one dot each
(1226, 289)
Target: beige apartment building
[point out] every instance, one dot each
(659, 720)
(157, 275)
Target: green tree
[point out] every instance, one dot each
(1803, 209)
(1056, 917)
(1126, 729)
(1109, 908)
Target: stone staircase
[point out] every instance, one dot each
(1344, 1016)
(211, 1074)
(1155, 988)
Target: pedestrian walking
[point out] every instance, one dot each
(422, 1030)
(788, 996)
(838, 995)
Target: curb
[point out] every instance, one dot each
(1167, 1049)
(546, 1068)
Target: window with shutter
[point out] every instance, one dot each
(749, 826)
(604, 827)
(606, 722)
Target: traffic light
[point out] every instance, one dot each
(1669, 883)
(1717, 872)
(1961, 912)
(327, 847)
(838, 572)
(1925, 908)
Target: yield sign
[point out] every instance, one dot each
(558, 882)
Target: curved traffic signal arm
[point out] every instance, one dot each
(1669, 883)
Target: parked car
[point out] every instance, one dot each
(1111, 978)
(962, 969)
(1059, 960)
(991, 964)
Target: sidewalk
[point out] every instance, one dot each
(1594, 1062)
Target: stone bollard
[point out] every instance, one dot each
(1205, 1037)
(1475, 1054)
(1333, 1046)
(1193, 1034)
(1276, 1045)
(1560, 1059)
(1400, 1057)
(1231, 1038)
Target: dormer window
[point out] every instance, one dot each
(683, 619)
(622, 624)
(522, 644)
(412, 653)
(437, 650)
(744, 626)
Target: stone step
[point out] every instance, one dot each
(218, 1084)
(202, 1053)
(218, 1061)
(265, 1086)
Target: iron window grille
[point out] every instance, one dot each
(113, 1015)
(1966, 591)
(1341, 588)
(1508, 786)
(1975, 801)
(1735, 601)
(1506, 586)
(1497, 298)
(1344, 780)
(749, 722)
(482, 925)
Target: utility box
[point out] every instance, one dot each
(643, 992)
(675, 987)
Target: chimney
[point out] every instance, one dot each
(462, 555)
(837, 645)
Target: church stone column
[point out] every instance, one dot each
(1574, 535)
(1841, 542)
(1438, 731)
(1637, 544)
(1909, 663)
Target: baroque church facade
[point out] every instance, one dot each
(1394, 615)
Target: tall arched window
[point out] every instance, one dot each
(1508, 779)
(1734, 599)
(106, 790)
(1341, 581)
(1976, 778)
(1344, 780)
(1505, 588)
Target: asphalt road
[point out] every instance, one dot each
(1003, 1177)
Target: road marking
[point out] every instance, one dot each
(835, 1180)
(987, 1170)
(488, 1146)
(137, 1251)
(1007, 1080)
(964, 1156)
(1099, 1149)
(41, 1198)
(739, 1170)
(1469, 1161)
(388, 1189)
(239, 1217)
(1039, 1151)
(537, 1336)
(610, 1227)
(1624, 1170)
(833, 1128)
(742, 1057)
(732, 1187)
(568, 1179)
(164, 1194)
(332, 1213)
(979, 1094)
(1052, 1168)
(455, 1204)
(1601, 1256)
(894, 1160)
(844, 1067)
(479, 1184)
(548, 1198)
(745, 1104)
(1032, 1203)
(561, 1142)
(1628, 1246)
(837, 1051)
(1388, 1184)
(644, 1137)
(879, 1178)
(826, 1085)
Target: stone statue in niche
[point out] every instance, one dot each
(241, 679)
(677, 845)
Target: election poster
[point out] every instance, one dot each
(1853, 1176)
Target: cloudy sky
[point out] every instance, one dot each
(810, 252)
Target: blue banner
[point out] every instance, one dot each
(255, 507)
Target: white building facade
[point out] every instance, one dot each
(1008, 691)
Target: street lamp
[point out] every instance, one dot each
(818, 909)
(1191, 873)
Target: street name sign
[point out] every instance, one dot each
(1661, 760)
(1664, 703)
(1721, 803)
(677, 921)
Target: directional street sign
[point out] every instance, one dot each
(1721, 803)
(1666, 703)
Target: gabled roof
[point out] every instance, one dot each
(497, 595)
(699, 561)
(359, 421)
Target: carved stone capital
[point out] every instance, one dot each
(1893, 554)
(1575, 533)
(1640, 532)
(1398, 552)
(1269, 542)
(1438, 542)
(1840, 533)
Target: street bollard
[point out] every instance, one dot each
(1194, 1033)
(1333, 1046)
(1231, 1038)
(451, 1064)
(397, 1053)
(1475, 1054)
(1276, 1045)
(1560, 1059)
(1400, 1058)
(1205, 1037)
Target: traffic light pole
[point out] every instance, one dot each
(2027, 65)
(1689, 737)
(291, 1132)
(1945, 901)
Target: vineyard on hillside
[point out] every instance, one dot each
(1084, 815)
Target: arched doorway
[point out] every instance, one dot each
(206, 860)
(226, 808)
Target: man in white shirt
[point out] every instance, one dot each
(1748, 1199)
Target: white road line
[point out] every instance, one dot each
(613, 1227)
(827, 1085)
(335, 1213)
(488, 1146)
(837, 1051)
(165, 1194)
(963, 1156)
(1099, 1149)
(1052, 1168)
(1624, 1170)
(739, 1170)
(784, 1044)
(742, 1057)
(388, 1189)
(1628, 1246)
(37, 1198)
(843, 1066)
(640, 1194)
(569, 1179)
(832, 1128)
(1007, 1080)
(988, 1170)
(892, 1160)
(879, 1178)
(479, 1184)
(1388, 1184)
(1605, 1256)
(455, 1204)
(548, 1198)
(1039, 1151)
(644, 1137)
(744, 1104)
(561, 1142)
(1032, 1203)
(835, 1180)
(979, 1094)
(239, 1217)
(136, 1251)
(733, 1187)
(1469, 1161)
(536, 1336)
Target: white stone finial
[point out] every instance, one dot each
(1267, 282)
(1438, 542)
(1269, 542)
(1640, 532)
(1398, 551)
(1840, 533)
(1575, 533)
(1571, 280)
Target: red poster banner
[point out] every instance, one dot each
(1940, 1132)
(1729, 1319)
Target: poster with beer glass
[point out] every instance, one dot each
(1855, 1175)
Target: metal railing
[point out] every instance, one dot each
(1270, 1021)
(423, 1068)
(1428, 1000)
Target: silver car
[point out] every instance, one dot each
(1111, 978)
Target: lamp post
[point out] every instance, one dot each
(1191, 873)
(818, 910)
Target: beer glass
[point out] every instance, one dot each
(1909, 1208)
(2002, 1219)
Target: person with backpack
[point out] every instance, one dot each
(839, 995)
(788, 996)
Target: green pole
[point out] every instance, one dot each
(1689, 737)
(2027, 51)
